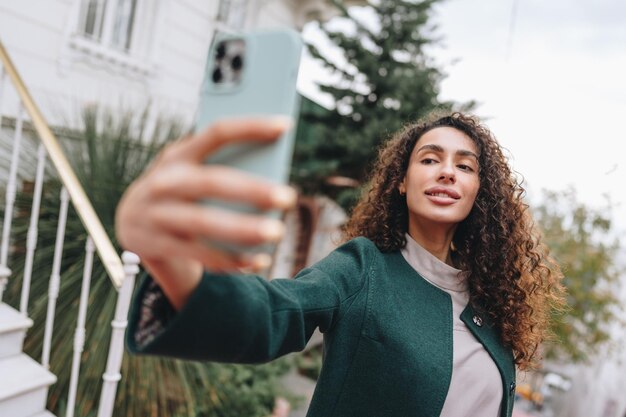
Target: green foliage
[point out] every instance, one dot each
(387, 80)
(107, 156)
(581, 241)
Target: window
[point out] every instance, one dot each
(232, 13)
(123, 24)
(109, 22)
(121, 33)
(92, 18)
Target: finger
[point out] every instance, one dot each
(192, 183)
(215, 224)
(199, 146)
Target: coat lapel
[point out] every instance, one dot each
(486, 334)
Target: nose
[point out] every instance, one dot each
(447, 173)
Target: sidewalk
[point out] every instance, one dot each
(301, 386)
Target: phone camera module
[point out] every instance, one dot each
(217, 75)
(236, 63)
(228, 62)
(220, 53)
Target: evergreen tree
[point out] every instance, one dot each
(387, 79)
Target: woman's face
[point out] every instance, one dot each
(441, 182)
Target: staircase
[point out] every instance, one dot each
(23, 382)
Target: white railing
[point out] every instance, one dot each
(121, 273)
(10, 199)
(31, 240)
(55, 279)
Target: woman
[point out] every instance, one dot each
(441, 289)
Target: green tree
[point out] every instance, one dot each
(387, 79)
(582, 241)
(107, 156)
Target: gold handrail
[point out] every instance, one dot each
(87, 214)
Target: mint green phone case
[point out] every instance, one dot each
(266, 86)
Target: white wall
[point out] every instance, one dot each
(61, 77)
(40, 36)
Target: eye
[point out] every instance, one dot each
(428, 161)
(466, 168)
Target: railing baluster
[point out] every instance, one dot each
(3, 75)
(79, 336)
(5, 272)
(10, 200)
(55, 279)
(31, 242)
(116, 348)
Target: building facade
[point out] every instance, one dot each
(127, 53)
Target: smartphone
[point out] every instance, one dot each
(252, 74)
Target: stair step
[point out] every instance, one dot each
(12, 331)
(23, 386)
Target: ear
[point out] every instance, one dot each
(402, 188)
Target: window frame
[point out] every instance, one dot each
(233, 14)
(137, 57)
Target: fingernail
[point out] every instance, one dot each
(271, 230)
(261, 261)
(281, 122)
(284, 197)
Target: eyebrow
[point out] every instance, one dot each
(437, 148)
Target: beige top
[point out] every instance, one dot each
(476, 385)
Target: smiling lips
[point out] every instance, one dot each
(443, 193)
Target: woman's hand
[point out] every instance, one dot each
(159, 217)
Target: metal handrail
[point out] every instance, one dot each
(88, 216)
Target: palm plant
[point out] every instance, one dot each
(108, 154)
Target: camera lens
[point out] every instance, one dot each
(236, 63)
(217, 75)
(221, 51)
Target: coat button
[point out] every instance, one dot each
(477, 321)
(512, 388)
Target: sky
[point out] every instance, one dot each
(550, 80)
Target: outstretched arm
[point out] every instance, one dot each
(246, 318)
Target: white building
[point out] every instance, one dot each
(128, 52)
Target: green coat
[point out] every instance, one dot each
(387, 332)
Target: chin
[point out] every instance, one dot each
(449, 216)
(446, 221)
(444, 218)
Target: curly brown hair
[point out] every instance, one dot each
(512, 279)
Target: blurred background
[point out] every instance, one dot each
(116, 79)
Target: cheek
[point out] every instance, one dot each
(474, 189)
